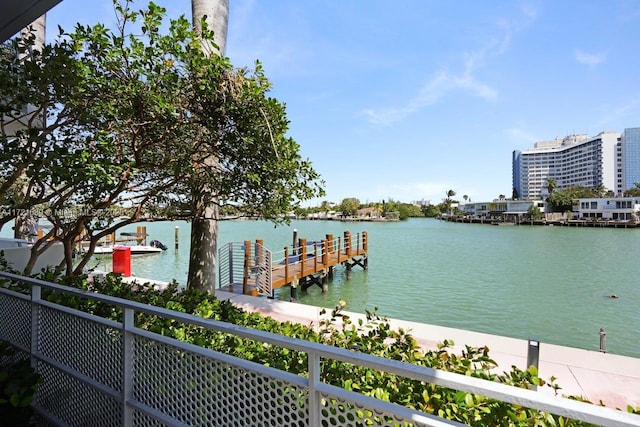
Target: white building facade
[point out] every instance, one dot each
(575, 160)
(608, 209)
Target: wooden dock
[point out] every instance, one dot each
(252, 269)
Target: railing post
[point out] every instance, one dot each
(127, 366)
(325, 252)
(347, 243)
(36, 293)
(314, 396)
(533, 356)
(365, 241)
(230, 248)
(247, 263)
(286, 264)
(295, 241)
(259, 252)
(315, 257)
(303, 255)
(330, 246)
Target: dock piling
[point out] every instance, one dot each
(603, 338)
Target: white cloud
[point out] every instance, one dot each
(589, 58)
(444, 83)
(433, 90)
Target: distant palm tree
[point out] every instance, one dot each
(465, 197)
(450, 194)
(551, 185)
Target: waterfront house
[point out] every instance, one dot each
(608, 209)
(506, 208)
(369, 213)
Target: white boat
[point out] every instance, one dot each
(132, 241)
(17, 253)
(135, 249)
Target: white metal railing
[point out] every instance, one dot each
(98, 371)
(234, 267)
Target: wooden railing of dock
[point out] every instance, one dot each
(302, 265)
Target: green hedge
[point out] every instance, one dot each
(373, 335)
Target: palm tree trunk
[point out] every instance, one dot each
(204, 227)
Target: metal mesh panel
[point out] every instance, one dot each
(140, 419)
(90, 348)
(199, 391)
(15, 318)
(74, 402)
(338, 412)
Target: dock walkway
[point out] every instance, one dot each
(252, 269)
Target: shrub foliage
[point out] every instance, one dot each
(373, 336)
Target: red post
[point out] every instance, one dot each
(122, 260)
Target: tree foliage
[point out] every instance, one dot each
(634, 191)
(132, 115)
(563, 200)
(349, 206)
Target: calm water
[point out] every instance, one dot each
(548, 283)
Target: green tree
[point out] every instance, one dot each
(551, 185)
(534, 212)
(349, 206)
(634, 191)
(447, 201)
(431, 211)
(137, 115)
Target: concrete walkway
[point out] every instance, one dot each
(596, 376)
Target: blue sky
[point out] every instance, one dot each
(408, 99)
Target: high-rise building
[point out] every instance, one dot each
(629, 173)
(575, 160)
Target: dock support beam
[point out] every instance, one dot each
(294, 290)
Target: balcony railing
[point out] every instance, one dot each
(98, 371)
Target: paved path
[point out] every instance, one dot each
(611, 379)
(596, 376)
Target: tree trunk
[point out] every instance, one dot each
(217, 13)
(25, 224)
(204, 227)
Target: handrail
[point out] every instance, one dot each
(315, 351)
